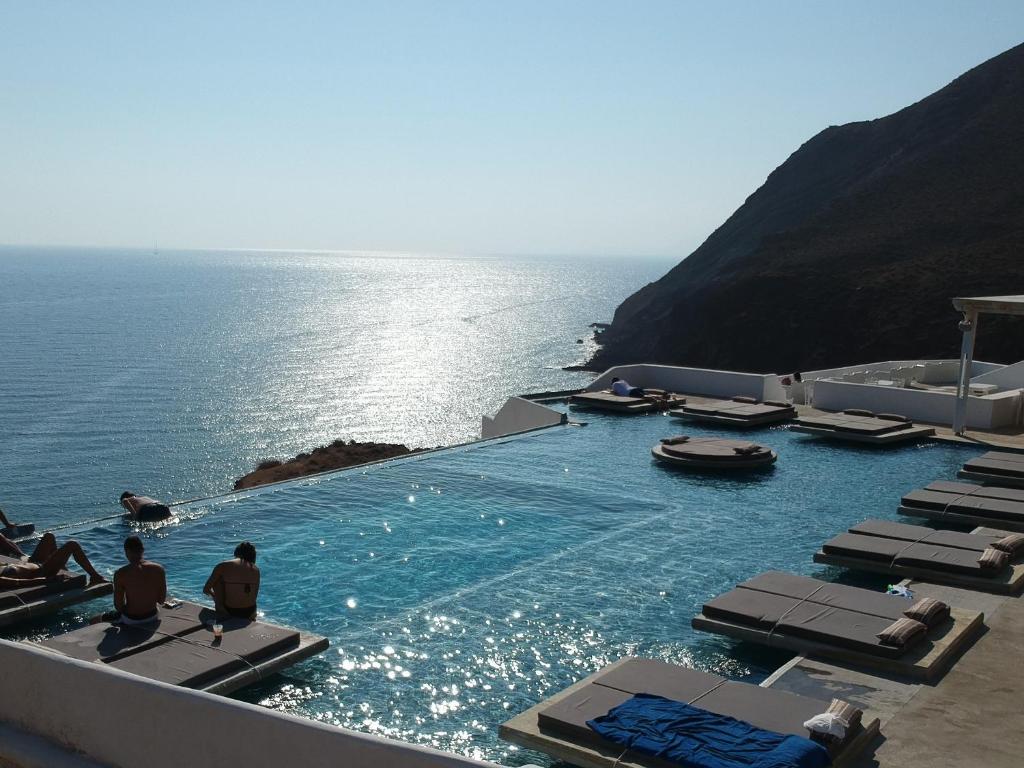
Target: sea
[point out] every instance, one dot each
(173, 373)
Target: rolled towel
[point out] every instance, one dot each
(858, 412)
(745, 399)
(892, 417)
(778, 403)
(1011, 544)
(902, 633)
(674, 440)
(832, 725)
(993, 559)
(928, 611)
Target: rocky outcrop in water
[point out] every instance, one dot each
(852, 248)
(337, 455)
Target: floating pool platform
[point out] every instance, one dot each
(995, 468)
(916, 552)
(607, 401)
(558, 726)
(836, 621)
(858, 426)
(180, 648)
(21, 605)
(713, 453)
(967, 504)
(739, 412)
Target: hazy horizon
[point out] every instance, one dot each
(456, 128)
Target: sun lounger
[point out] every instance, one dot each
(607, 401)
(859, 426)
(559, 727)
(18, 605)
(995, 468)
(967, 504)
(713, 453)
(742, 412)
(19, 531)
(940, 556)
(180, 648)
(812, 617)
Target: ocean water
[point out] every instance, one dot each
(172, 374)
(461, 587)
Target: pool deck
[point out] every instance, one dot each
(972, 716)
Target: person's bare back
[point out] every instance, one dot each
(234, 585)
(140, 586)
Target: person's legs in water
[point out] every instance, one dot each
(72, 549)
(44, 549)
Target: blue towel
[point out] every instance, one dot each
(696, 738)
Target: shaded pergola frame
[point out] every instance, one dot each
(972, 307)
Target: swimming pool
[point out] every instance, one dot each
(460, 587)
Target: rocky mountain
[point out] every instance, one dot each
(853, 247)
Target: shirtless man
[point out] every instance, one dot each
(144, 507)
(46, 563)
(235, 584)
(139, 587)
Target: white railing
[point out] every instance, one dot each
(694, 381)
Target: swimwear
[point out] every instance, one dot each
(241, 613)
(154, 511)
(116, 617)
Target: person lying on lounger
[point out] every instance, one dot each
(144, 507)
(235, 584)
(139, 587)
(47, 546)
(51, 561)
(623, 388)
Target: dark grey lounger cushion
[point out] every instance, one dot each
(761, 610)
(904, 532)
(569, 716)
(984, 491)
(829, 594)
(766, 708)
(12, 598)
(661, 679)
(977, 506)
(179, 662)
(844, 629)
(866, 547)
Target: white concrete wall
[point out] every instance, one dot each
(993, 411)
(694, 381)
(519, 415)
(124, 721)
(933, 371)
(1006, 377)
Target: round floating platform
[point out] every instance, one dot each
(713, 453)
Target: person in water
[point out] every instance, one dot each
(235, 584)
(45, 564)
(139, 587)
(144, 507)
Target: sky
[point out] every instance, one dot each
(550, 127)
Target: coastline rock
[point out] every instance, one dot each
(852, 248)
(337, 455)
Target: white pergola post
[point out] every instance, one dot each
(969, 326)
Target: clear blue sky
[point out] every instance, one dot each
(487, 127)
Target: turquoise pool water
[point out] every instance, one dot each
(461, 587)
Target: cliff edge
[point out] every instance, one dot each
(851, 249)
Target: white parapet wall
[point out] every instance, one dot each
(519, 415)
(119, 720)
(934, 407)
(694, 381)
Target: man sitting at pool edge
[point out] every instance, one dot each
(235, 584)
(144, 507)
(139, 587)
